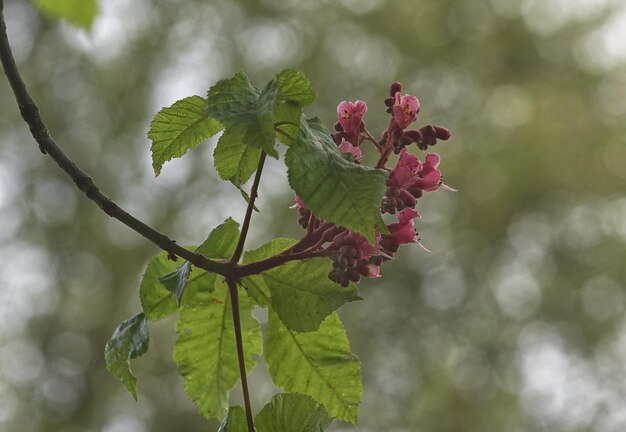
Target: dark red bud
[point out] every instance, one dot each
(407, 199)
(338, 127)
(390, 101)
(428, 131)
(353, 275)
(416, 192)
(413, 135)
(422, 145)
(392, 191)
(442, 133)
(347, 251)
(397, 134)
(395, 88)
(359, 254)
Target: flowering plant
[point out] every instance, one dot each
(340, 204)
(213, 287)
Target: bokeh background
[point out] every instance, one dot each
(515, 322)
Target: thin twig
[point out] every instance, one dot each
(276, 260)
(246, 221)
(30, 114)
(234, 296)
(367, 135)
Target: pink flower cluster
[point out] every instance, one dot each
(353, 256)
(349, 128)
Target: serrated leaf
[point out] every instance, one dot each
(164, 281)
(234, 159)
(156, 301)
(318, 364)
(78, 12)
(292, 413)
(129, 340)
(205, 351)
(235, 421)
(295, 87)
(302, 294)
(246, 111)
(159, 302)
(255, 285)
(179, 128)
(335, 189)
(222, 241)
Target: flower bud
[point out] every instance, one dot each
(353, 275)
(394, 88)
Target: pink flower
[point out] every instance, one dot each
(429, 177)
(405, 109)
(405, 172)
(346, 147)
(351, 116)
(402, 232)
(410, 173)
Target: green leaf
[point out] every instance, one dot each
(246, 111)
(235, 160)
(163, 283)
(199, 289)
(78, 12)
(156, 301)
(235, 421)
(129, 340)
(205, 351)
(335, 189)
(302, 294)
(176, 281)
(318, 364)
(292, 413)
(288, 122)
(255, 285)
(295, 87)
(221, 242)
(179, 128)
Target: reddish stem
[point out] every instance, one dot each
(234, 296)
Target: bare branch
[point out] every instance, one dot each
(30, 114)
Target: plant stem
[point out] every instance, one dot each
(39, 131)
(246, 221)
(387, 148)
(234, 296)
(276, 260)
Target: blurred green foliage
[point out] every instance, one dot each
(515, 321)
